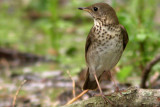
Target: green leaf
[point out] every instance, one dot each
(141, 37)
(124, 73)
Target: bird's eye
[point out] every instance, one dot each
(95, 8)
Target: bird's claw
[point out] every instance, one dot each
(118, 90)
(106, 99)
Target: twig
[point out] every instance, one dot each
(154, 79)
(73, 84)
(74, 95)
(147, 70)
(17, 92)
(76, 98)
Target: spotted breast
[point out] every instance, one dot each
(106, 48)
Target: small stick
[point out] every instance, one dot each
(154, 78)
(73, 84)
(17, 92)
(76, 98)
(148, 69)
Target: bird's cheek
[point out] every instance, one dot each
(93, 15)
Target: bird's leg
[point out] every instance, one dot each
(115, 84)
(103, 96)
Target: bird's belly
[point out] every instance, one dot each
(105, 57)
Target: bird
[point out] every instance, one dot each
(105, 44)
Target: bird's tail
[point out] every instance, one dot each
(91, 85)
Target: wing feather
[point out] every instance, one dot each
(88, 43)
(125, 36)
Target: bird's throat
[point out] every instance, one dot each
(105, 22)
(97, 22)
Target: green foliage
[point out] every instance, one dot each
(124, 73)
(138, 18)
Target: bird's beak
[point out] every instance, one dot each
(85, 9)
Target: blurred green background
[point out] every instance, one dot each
(57, 30)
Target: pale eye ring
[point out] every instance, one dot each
(95, 8)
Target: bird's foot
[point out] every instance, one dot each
(117, 90)
(106, 100)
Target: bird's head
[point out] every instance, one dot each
(102, 11)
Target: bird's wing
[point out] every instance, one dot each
(125, 36)
(88, 43)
